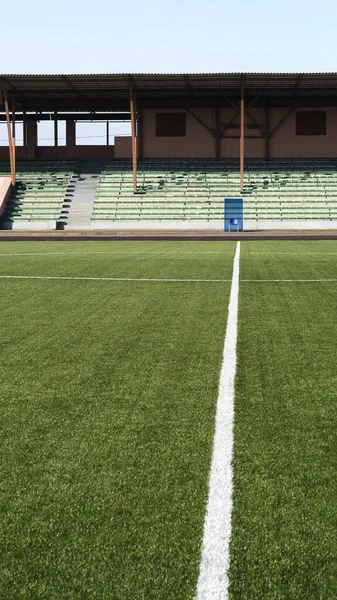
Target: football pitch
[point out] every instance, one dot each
(111, 355)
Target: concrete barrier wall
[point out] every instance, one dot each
(62, 153)
(211, 225)
(5, 188)
(30, 225)
(178, 226)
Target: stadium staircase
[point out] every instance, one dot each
(80, 196)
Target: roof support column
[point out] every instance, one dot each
(217, 132)
(70, 133)
(133, 135)
(10, 140)
(242, 134)
(267, 132)
(24, 125)
(140, 131)
(56, 134)
(13, 138)
(31, 128)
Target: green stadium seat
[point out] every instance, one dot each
(40, 190)
(180, 189)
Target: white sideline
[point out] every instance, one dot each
(288, 280)
(295, 253)
(74, 278)
(178, 252)
(70, 278)
(213, 576)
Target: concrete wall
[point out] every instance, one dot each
(176, 226)
(19, 153)
(123, 147)
(5, 188)
(75, 152)
(62, 152)
(286, 143)
(29, 225)
(199, 143)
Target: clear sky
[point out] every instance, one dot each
(115, 36)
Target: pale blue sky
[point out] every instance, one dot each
(177, 36)
(122, 36)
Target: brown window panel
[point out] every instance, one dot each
(171, 124)
(311, 122)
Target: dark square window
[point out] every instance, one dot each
(170, 124)
(311, 122)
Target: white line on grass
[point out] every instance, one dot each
(213, 576)
(294, 253)
(70, 278)
(162, 252)
(288, 280)
(157, 279)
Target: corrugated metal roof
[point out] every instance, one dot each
(171, 80)
(35, 89)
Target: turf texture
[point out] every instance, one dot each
(107, 403)
(283, 543)
(108, 395)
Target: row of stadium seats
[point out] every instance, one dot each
(181, 189)
(40, 190)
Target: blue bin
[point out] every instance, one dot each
(233, 214)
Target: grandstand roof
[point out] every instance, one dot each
(39, 92)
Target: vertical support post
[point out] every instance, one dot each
(70, 138)
(13, 119)
(217, 132)
(140, 131)
(31, 138)
(242, 134)
(24, 126)
(56, 134)
(9, 133)
(107, 133)
(267, 132)
(13, 137)
(136, 128)
(70, 133)
(133, 136)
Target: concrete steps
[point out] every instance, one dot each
(80, 196)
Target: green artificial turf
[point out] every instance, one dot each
(283, 543)
(107, 403)
(107, 407)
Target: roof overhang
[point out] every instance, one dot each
(111, 91)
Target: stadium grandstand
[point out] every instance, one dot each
(195, 140)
